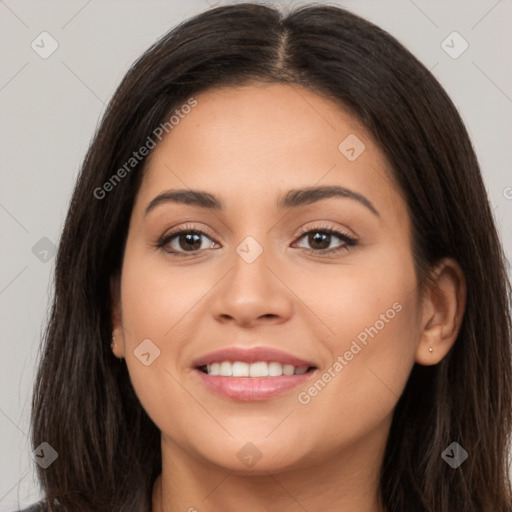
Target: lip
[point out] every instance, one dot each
(248, 389)
(251, 388)
(251, 355)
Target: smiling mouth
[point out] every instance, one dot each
(257, 369)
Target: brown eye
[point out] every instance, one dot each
(320, 239)
(189, 241)
(185, 241)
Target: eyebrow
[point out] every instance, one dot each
(292, 199)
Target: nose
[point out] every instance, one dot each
(253, 293)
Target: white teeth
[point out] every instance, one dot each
(258, 369)
(240, 369)
(288, 369)
(275, 369)
(225, 369)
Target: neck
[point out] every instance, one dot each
(348, 480)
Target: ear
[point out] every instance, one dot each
(443, 306)
(116, 316)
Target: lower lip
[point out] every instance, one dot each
(252, 388)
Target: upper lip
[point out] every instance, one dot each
(251, 355)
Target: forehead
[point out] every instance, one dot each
(253, 142)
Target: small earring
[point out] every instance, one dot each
(431, 349)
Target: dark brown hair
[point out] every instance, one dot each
(83, 402)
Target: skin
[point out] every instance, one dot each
(326, 454)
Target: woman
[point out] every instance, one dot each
(279, 285)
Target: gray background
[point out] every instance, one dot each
(50, 109)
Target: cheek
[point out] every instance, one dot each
(380, 316)
(373, 312)
(157, 298)
(156, 305)
(376, 361)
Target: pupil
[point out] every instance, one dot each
(317, 238)
(193, 241)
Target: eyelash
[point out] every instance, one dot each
(187, 229)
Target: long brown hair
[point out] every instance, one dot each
(83, 403)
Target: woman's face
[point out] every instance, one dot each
(266, 276)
